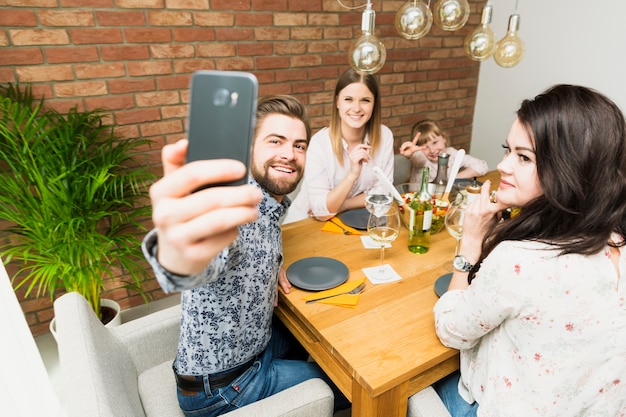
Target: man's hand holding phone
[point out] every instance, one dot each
(194, 227)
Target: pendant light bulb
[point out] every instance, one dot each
(510, 49)
(451, 14)
(481, 43)
(367, 54)
(413, 20)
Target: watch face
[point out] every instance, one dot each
(461, 264)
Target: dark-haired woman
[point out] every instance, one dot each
(537, 307)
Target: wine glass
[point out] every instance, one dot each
(383, 228)
(377, 201)
(453, 221)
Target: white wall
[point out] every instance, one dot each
(567, 41)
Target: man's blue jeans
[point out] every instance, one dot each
(269, 374)
(448, 390)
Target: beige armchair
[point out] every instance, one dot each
(426, 403)
(126, 371)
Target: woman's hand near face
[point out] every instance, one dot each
(193, 228)
(480, 216)
(358, 156)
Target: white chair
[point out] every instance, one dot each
(126, 371)
(426, 403)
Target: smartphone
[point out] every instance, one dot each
(222, 114)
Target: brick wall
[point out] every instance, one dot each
(135, 57)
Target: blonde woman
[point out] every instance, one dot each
(341, 157)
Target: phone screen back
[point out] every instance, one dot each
(222, 116)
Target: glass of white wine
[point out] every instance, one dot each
(454, 224)
(383, 228)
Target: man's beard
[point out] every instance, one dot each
(272, 185)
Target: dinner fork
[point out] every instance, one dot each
(345, 231)
(353, 291)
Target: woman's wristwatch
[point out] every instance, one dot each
(461, 264)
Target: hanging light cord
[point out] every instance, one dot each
(354, 7)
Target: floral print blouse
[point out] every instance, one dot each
(540, 334)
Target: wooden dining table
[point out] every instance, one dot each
(385, 349)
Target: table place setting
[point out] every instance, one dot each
(335, 225)
(344, 295)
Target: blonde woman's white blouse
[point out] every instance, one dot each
(322, 173)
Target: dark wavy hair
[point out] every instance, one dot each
(579, 137)
(372, 128)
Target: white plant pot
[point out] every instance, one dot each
(105, 302)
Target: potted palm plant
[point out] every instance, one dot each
(73, 196)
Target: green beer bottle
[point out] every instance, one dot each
(421, 217)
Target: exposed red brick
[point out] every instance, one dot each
(272, 62)
(86, 3)
(173, 83)
(230, 4)
(307, 33)
(22, 37)
(7, 75)
(44, 73)
(117, 102)
(21, 56)
(138, 69)
(236, 64)
(188, 66)
(271, 34)
(170, 18)
(193, 34)
(124, 52)
(216, 50)
(16, 18)
(172, 51)
(277, 5)
(152, 35)
(108, 70)
(66, 18)
(81, 89)
(96, 36)
(291, 48)
(213, 19)
(237, 34)
(255, 49)
(253, 19)
(159, 98)
(126, 86)
(71, 54)
(120, 18)
(140, 4)
(188, 4)
(160, 128)
(127, 117)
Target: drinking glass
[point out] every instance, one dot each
(453, 221)
(377, 201)
(383, 228)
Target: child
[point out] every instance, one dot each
(428, 142)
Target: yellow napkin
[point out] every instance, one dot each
(332, 227)
(344, 300)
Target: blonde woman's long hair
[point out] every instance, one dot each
(372, 128)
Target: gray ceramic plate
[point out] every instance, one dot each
(317, 273)
(442, 283)
(356, 218)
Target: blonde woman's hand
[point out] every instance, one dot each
(358, 156)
